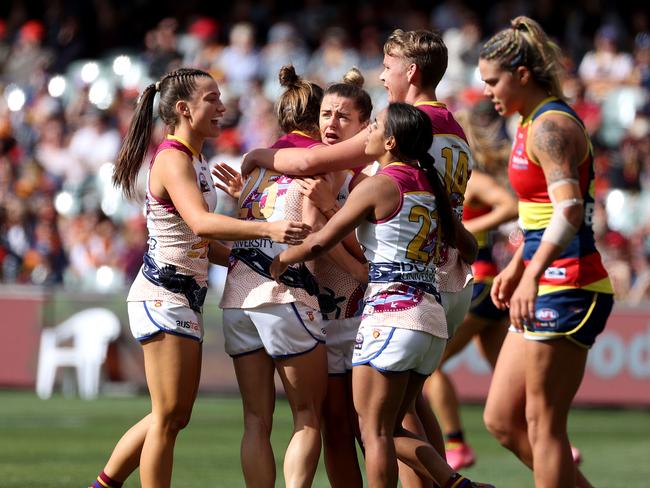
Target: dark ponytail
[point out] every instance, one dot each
(413, 134)
(177, 85)
(443, 203)
(135, 144)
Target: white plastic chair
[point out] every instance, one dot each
(89, 332)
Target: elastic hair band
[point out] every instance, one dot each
(157, 86)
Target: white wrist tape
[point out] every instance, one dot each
(560, 231)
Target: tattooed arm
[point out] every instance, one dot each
(558, 144)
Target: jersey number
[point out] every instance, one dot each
(266, 185)
(415, 249)
(455, 180)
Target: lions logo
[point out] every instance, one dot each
(376, 333)
(157, 303)
(358, 341)
(310, 315)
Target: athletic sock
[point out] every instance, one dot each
(457, 481)
(457, 437)
(105, 481)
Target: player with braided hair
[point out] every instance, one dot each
(166, 299)
(556, 287)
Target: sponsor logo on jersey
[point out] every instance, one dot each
(519, 162)
(358, 342)
(553, 273)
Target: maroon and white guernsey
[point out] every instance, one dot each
(401, 250)
(171, 241)
(453, 160)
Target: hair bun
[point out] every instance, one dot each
(354, 77)
(288, 76)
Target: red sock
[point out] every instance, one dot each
(105, 481)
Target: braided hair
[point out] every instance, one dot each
(174, 86)
(525, 43)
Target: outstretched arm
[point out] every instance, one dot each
(362, 202)
(338, 255)
(322, 192)
(322, 159)
(175, 175)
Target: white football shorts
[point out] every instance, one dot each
(283, 330)
(390, 349)
(341, 334)
(151, 317)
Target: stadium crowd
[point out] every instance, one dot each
(69, 82)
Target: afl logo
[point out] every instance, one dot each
(546, 315)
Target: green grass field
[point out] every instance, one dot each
(64, 442)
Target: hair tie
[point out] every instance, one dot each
(157, 86)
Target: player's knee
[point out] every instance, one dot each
(308, 417)
(500, 429)
(308, 407)
(259, 423)
(176, 419)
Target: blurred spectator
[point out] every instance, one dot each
(27, 55)
(92, 242)
(54, 153)
(94, 143)
(258, 126)
(641, 71)
(240, 61)
(161, 55)
(588, 110)
(284, 46)
(447, 15)
(605, 67)
(15, 230)
(332, 59)
(5, 47)
(463, 45)
(194, 45)
(69, 44)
